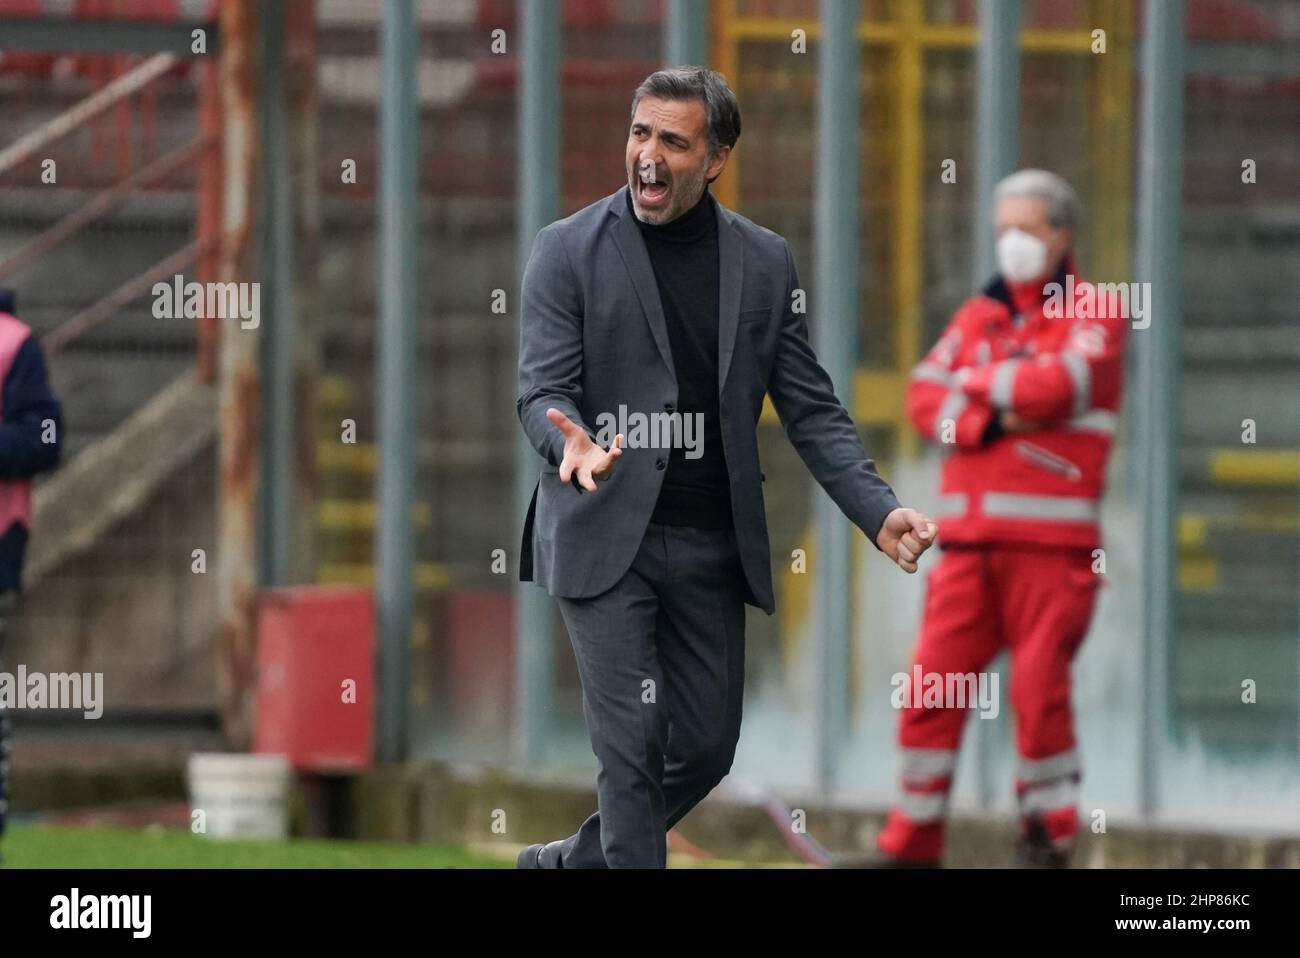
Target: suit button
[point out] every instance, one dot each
(660, 464)
(669, 407)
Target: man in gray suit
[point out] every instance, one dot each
(653, 324)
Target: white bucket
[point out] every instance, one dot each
(240, 796)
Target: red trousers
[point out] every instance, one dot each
(1037, 603)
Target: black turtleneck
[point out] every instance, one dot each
(684, 257)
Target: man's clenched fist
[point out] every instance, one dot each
(905, 535)
(581, 455)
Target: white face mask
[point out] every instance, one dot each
(1021, 256)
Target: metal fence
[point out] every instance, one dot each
(130, 195)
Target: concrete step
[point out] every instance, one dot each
(441, 803)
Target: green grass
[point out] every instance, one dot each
(40, 846)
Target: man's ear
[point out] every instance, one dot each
(716, 163)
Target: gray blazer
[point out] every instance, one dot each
(592, 336)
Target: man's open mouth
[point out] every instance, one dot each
(652, 191)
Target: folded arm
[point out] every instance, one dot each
(1085, 374)
(937, 405)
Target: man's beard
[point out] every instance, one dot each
(692, 187)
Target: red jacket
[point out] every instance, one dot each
(1055, 360)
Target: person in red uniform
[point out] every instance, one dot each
(1022, 390)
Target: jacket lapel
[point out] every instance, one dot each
(731, 268)
(632, 248)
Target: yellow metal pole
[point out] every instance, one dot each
(1111, 141)
(909, 203)
(726, 56)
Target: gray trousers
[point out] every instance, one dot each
(661, 656)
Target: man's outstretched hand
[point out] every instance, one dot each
(904, 535)
(581, 455)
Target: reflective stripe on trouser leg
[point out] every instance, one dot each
(1033, 771)
(926, 775)
(922, 807)
(914, 830)
(1048, 789)
(928, 762)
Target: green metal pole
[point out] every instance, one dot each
(686, 33)
(539, 179)
(836, 313)
(395, 386)
(997, 127)
(1160, 165)
(997, 153)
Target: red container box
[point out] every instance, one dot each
(315, 677)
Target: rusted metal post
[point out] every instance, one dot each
(240, 385)
(208, 220)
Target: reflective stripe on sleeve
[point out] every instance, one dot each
(932, 373)
(952, 504)
(1003, 383)
(953, 405)
(1096, 420)
(1012, 505)
(1077, 366)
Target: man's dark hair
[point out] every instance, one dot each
(721, 110)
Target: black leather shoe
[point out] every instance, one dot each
(530, 857)
(1034, 849)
